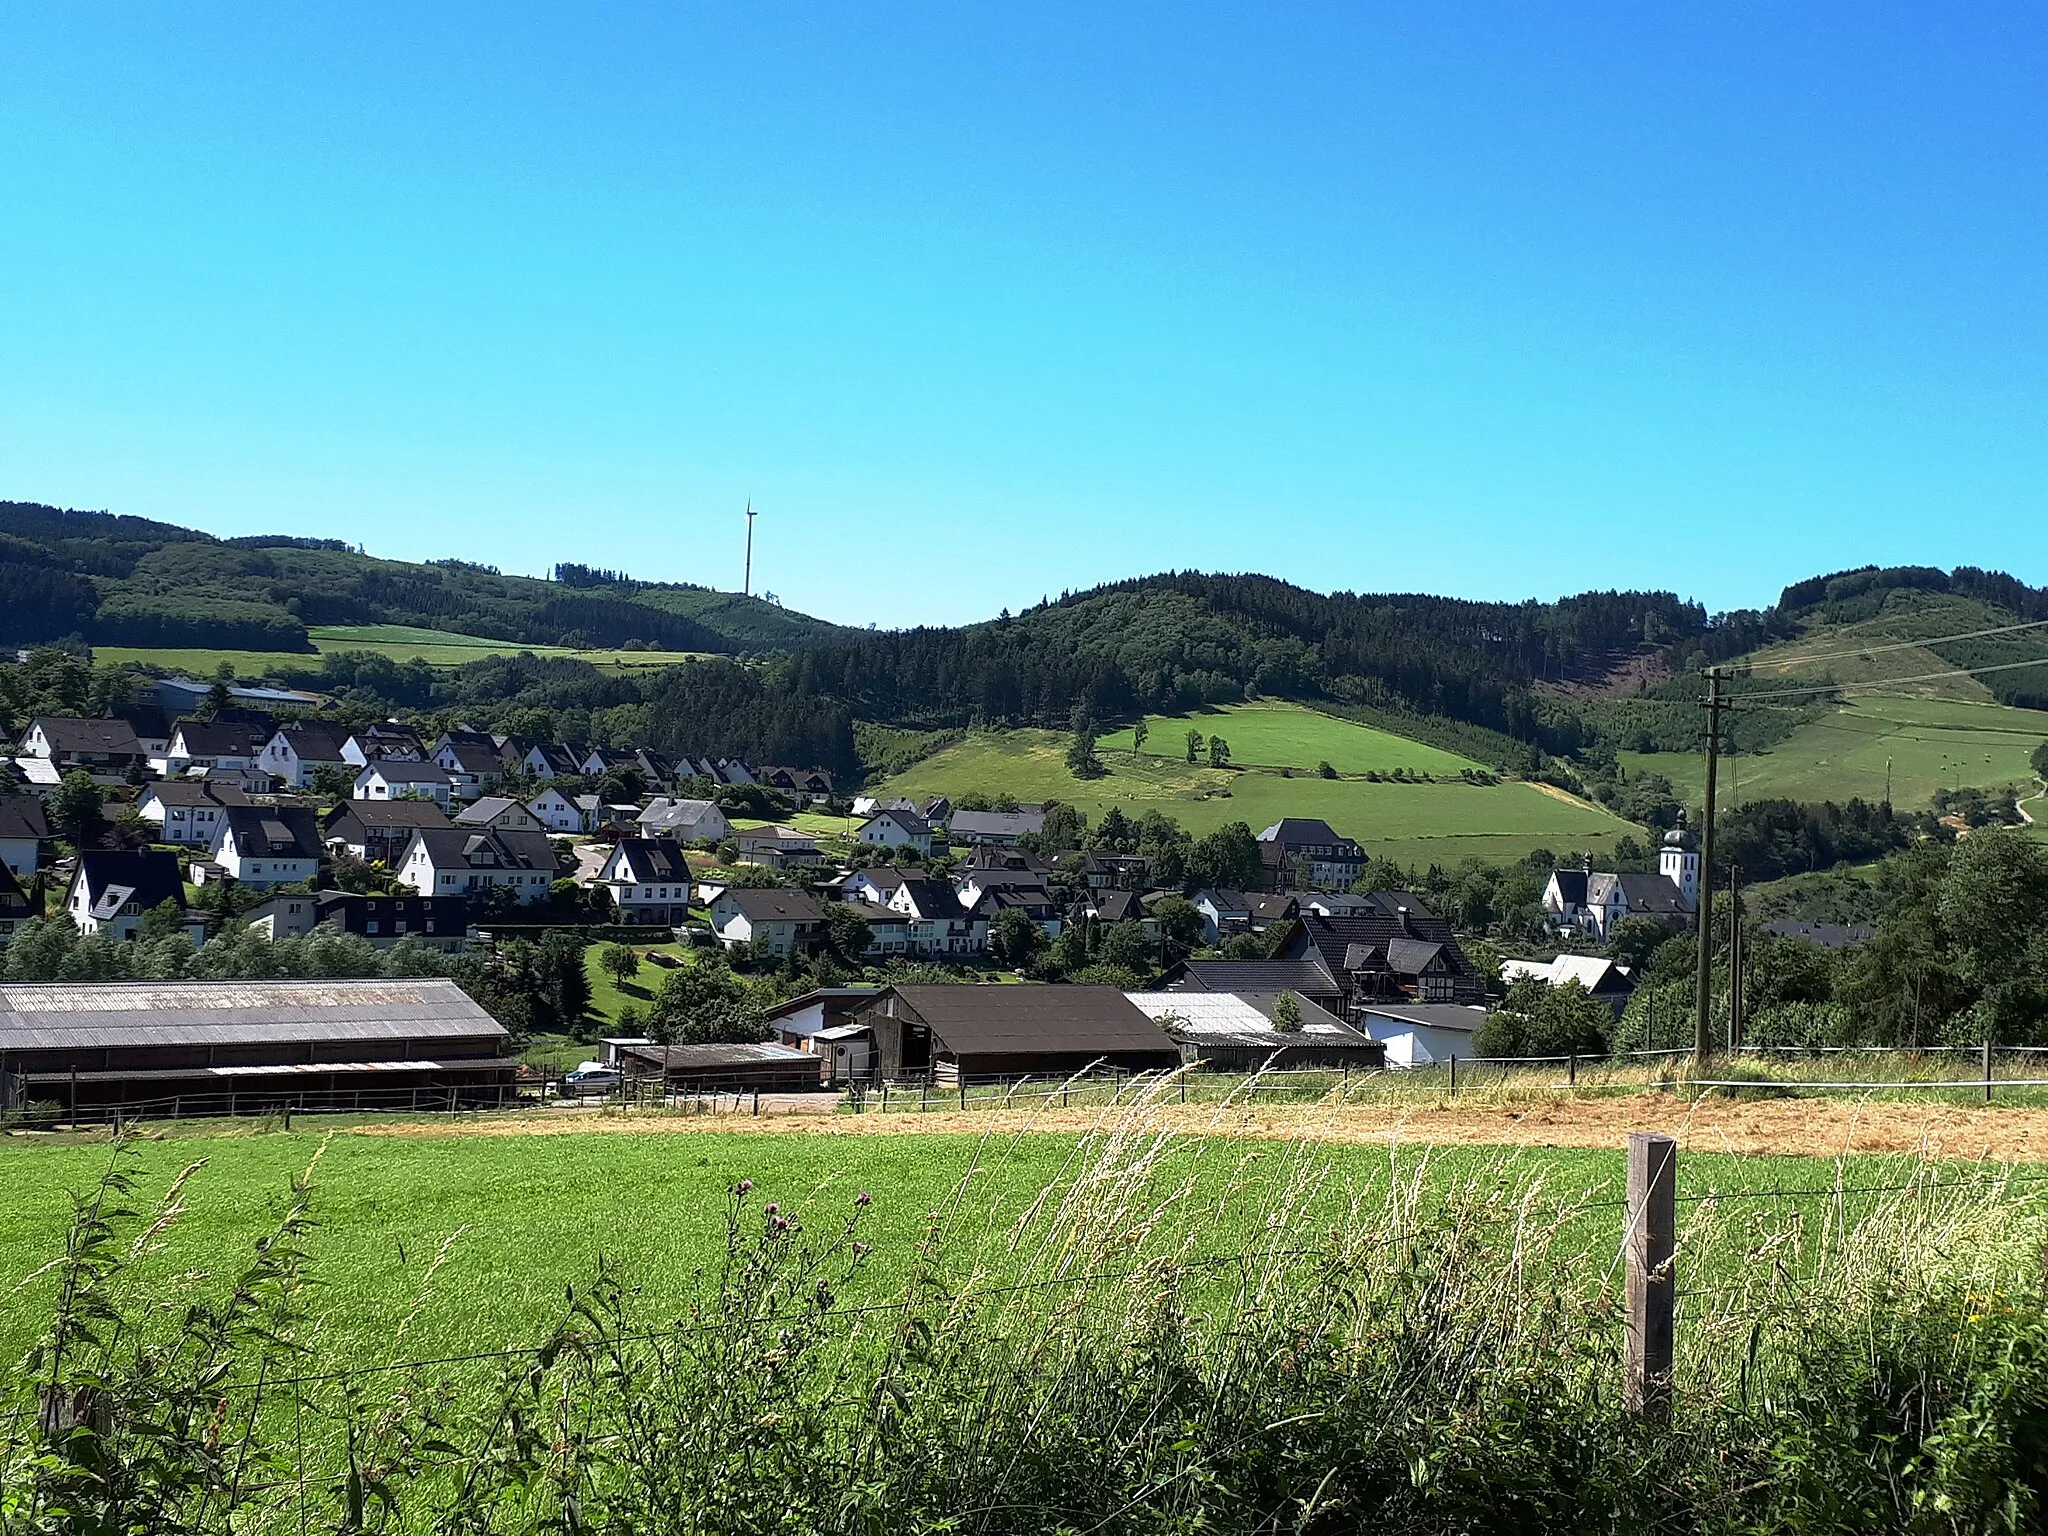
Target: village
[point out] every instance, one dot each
(246, 810)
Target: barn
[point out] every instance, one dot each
(248, 1047)
(944, 1033)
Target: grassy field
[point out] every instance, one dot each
(1414, 823)
(523, 1216)
(607, 997)
(1272, 734)
(1926, 743)
(400, 642)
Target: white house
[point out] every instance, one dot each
(649, 881)
(556, 811)
(99, 746)
(262, 845)
(896, 829)
(500, 813)
(688, 821)
(22, 832)
(469, 766)
(387, 741)
(776, 846)
(1420, 1034)
(190, 811)
(784, 920)
(198, 745)
(551, 760)
(459, 861)
(295, 752)
(403, 779)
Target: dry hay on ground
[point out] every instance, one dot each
(1814, 1126)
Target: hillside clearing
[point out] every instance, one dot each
(399, 642)
(1273, 734)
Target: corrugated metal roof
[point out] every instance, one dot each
(70, 1015)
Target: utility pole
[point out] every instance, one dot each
(1703, 978)
(747, 577)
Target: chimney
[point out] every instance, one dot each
(1407, 927)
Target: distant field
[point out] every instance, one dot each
(1278, 735)
(1930, 744)
(400, 642)
(1414, 823)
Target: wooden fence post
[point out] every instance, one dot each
(1987, 1069)
(1648, 1244)
(1454, 1074)
(1571, 1070)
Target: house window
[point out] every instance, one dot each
(370, 927)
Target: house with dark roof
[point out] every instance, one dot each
(380, 831)
(1115, 906)
(384, 741)
(547, 760)
(1596, 975)
(199, 745)
(946, 1033)
(461, 861)
(392, 778)
(470, 765)
(893, 828)
(112, 890)
(191, 812)
(263, 845)
(812, 784)
(300, 748)
(1114, 871)
(501, 812)
(1312, 849)
(439, 922)
(649, 881)
(15, 907)
(785, 921)
(1398, 950)
(98, 746)
(689, 821)
(23, 831)
(934, 921)
(1420, 1034)
(776, 847)
(821, 1023)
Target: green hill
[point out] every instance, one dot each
(140, 586)
(1458, 815)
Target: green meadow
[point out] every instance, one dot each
(400, 642)
(431, 1246)
(1921, 744)
(1415, 823)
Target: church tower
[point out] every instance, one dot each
(1679, 862)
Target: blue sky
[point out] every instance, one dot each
(980, 304)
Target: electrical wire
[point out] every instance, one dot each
(1903, 645)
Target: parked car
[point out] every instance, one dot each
(591, 1077)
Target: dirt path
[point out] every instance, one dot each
(1820, 1127)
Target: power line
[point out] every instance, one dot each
(1887, 682)
(1902, 645)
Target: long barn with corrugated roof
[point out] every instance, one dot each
(248, 1047)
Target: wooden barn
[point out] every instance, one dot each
(946, 1032)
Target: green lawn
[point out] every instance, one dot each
(525, 1216)
(1278, 735)
(1414, 823)
(607, 997)
(1929, 744)
(400, 642)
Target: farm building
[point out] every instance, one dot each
(247, 1047)
(947, 1032)
(1229, 1033)
(821, 1024)
(1420, 1034)
(723, 1068)
(1307, 978)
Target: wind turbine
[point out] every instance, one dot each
(747, 578)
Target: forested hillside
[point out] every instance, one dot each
(128, 581)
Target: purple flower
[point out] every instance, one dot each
(744, 1187)
(771, 1208)
(863, 1198)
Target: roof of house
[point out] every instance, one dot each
(934, 899)
(406, 772)
(986, 857)
(1571, 885)
(193, 792)
(1034, 899)
(1273, 908)
(1222, 900)
(1389, 917)
(913, 825)
(970, 824)
(1310, 977)
(479, 758)
(482, 812)
(709, 1058)
(652, 858)
(69, 733)
(311, 741)
(1022, 1019)
(1411, 957)
(219, 738)
(824, 995)
(774, 904)
(1428, 1015)
(275, 831)
(1593, 972)
(1238, 1019)
(1646, 895)
(1118, 906)
(149, 876)
(22, 816)
(380, 814)
(117, 1015)
(788, 836)
(1826, 935)
(662, 811)
(471, 848)
(1304, 831)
